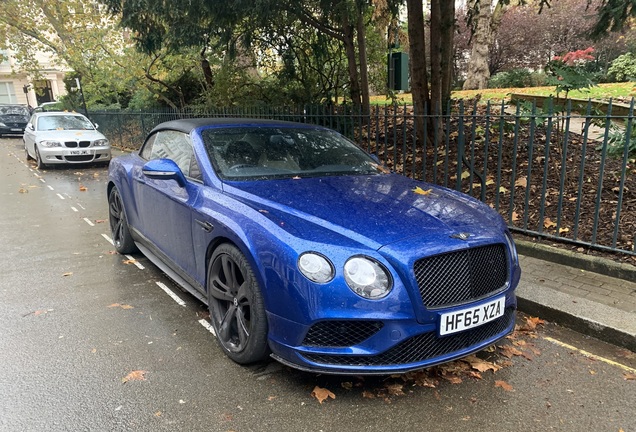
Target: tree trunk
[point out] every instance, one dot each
(350, 51)
(436, 56)
(419, 73)
(364, 70)
(478, 72)
(448, 33)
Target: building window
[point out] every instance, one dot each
(7, 93)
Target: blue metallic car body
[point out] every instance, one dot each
(274, 221)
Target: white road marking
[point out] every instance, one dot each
(81, 206)
(50, 187)
(208, 326)
(171, 294)
(89, 222)
(590, 355)
(137, 263)
(74, 209)
(60, 195)
(108, 239)
(42, 180)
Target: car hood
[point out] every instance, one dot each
(374, 210)
(70, 135)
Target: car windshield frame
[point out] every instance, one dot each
(64, 122)
(264, 152)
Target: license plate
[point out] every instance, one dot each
(471, 317)
(79, 152)
(16, 130)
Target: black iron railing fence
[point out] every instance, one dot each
(548, 171)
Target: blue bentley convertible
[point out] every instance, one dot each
(305, 248)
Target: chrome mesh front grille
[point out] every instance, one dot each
(340, 333)
(422, 347)
(462, 276)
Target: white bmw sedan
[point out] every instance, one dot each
(64, 137)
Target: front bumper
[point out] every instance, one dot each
(398, 346)
(62, 155)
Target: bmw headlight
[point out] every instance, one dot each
(315, 267)
(49, 143)
(367, 278)
(100, 142)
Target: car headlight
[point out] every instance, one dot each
(315, 267)
(100, 142)
(49, 143)
(2, 124)
(367, 278)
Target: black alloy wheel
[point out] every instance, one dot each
(237, 310)
(122, 238)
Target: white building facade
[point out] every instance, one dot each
(18, 87)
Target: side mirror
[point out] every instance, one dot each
(96, 125)
(164, 169)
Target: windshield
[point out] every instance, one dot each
(14, 111)
(239, 153)
(64, 122)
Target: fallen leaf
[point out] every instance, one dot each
(481, 365)
(83, 188)
(547, 223)
(368, 395)
(418, 190)
(629, 377)
(67, 274)
(563, 230)
(321, 394)
(515, 216)
(137, 375)
(503, 190)
(22, 190)
(119, 305)
(521, 182)
(271, 398)
(509, 351)
(395, 389)
(100, 220)
(130, 261)
(504, 385)
(158, 414)
(453, 379)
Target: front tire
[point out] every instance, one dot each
(38, 159)
(237, 310)
(122, 239)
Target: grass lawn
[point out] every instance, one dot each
(600, 92)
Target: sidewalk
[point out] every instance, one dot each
(562, 289)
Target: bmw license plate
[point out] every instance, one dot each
(79, 152)
(471, 317)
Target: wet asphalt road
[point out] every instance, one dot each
(76, 319)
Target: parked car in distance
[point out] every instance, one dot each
(64, 137)
(13, 119)
(305, 248)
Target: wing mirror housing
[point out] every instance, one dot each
(164, 169)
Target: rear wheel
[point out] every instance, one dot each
(122, 239)
(237, 310)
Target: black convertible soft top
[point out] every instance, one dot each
(188, 125)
